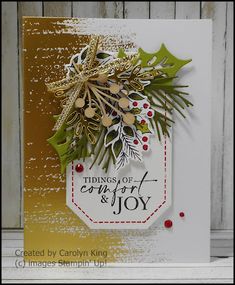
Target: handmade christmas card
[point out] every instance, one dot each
(116, 140)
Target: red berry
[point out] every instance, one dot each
(142, 122)
(168, 224)
(145, 139)
(135, 104)
(79, 168)
(149, 113)
(145, 105)
(135, 141)
(181, 214)
(114, 113)
(145, 147)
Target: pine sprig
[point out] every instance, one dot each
(165, 97)
(130, 148)
(122, 160)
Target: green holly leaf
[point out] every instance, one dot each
(102, 55)
(110, 136)
(121, 53)
(170, 64)
(128, 131)
(117, 147)
(84, 53)
(143, 128)
(115, 121)
(61, 141)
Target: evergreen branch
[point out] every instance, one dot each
(103, 155)
(99, 141)
(133, 152)
(106, 165)
(122, 160)
(169, 98)
(169, 102)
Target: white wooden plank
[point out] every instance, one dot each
(217, 11)
(99, 9)
(29, 9)
(10, 118)
(87, 9)
(222, 234)
(12, 234)
(24, 9)
(222, 251)
(9, 251)
(136, 10)
(228, 243)
(12, 243)
(57, 8)
(227, 202)
(162, 10)
(133, 281)
(119, 273)
(187, 10)
(222, 243)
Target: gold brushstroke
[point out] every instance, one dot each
(49, 223)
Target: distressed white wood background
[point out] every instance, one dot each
(222, 96)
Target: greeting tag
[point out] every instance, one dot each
(131, 199)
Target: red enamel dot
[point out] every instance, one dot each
(135, 141)
(79, 168)
(142, 122)
(181, 214)
(135, 104)
(168, 224)
(145, 147)
(145, 139)
(149, 113)
(145, 106)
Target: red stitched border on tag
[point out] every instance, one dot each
(126, 222)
